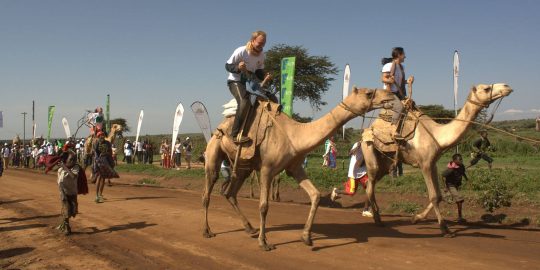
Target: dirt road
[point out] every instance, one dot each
(158, 228)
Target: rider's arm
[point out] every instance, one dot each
(387, 78)
(232, 68)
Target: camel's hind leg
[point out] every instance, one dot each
(236, 185)
(212, 165)
(275, 188)
(314, 195)
(432, 183)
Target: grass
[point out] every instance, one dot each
(403, 207)
(156, 171)
(148, 181)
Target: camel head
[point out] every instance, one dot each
(363, 100)
(116, 130)
(485, 94)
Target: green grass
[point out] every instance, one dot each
(156, 171)
(402, 207)
(148, 181)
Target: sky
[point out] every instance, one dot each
(152, 55)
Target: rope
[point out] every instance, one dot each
(480, 124)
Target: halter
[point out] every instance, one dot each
(348, 108)
(492, 114)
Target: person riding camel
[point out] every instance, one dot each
(393, 78)
(246, 65)
(96, 120)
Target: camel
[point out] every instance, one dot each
(284, 147)
(16, 140)
(430, 140)
(538, 123)
(116, 130)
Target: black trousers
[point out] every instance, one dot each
(238, 90)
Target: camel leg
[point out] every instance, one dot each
(275, 188)
(231, 198)
(432, 183)
(211, 167)
(373, 176)
(314, 195)
(265, 180)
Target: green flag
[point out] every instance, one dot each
(287, 84)
(50, 117)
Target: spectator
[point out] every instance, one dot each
(188, 147)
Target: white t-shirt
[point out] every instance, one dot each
(360, 171)
(253, 62)
(398, 76)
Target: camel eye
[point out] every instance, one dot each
(487, 89)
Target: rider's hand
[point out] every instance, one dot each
(242, 66)
(410, 80)
(391, 80)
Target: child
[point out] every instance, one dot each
(67, 183)
(452, 178)
(357, 174)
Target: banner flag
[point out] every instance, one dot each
(139, 123)
(346, 81)
(176, 125)
(287, 84)
(66, 127)
(456, 75)
(1, 120)
(201, 114)
(50, 118)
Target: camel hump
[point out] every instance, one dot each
(257, 125)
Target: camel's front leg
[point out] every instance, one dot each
(373, 168)
(432, 183)
(210, 180)
(265, 180)
(314, 195)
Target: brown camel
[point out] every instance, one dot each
(284, 147)
(426, 147)
(116, 130)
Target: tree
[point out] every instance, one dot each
(312, 77)
(122, 122)
(437, 111)
(301, 119)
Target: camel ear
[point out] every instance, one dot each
(354, 89)
(473, 88)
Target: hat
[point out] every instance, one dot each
(187, 138)
(5, 144)
(128, 140)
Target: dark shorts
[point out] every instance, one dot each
(479, 156)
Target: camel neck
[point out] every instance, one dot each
(450, 134)
(310, 135)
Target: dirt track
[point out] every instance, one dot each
(157, 228)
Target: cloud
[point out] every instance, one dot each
(535, 110)
(512, 111)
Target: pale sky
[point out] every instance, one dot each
(152, 55)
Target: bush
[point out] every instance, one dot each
(493, 192)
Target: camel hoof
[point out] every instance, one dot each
(414, 220)
(208, 234)
(267, 247)
(307, 241)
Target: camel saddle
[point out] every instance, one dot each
(258, 122)
(380, 132)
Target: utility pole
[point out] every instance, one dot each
(24, 128)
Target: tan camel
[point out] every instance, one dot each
(16, 140)
(116, 130)
(284, 147)
(426, 147)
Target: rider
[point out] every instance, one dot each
(96, 121)
(393, 77)
(245, 62)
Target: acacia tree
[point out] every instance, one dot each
(312, 75)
